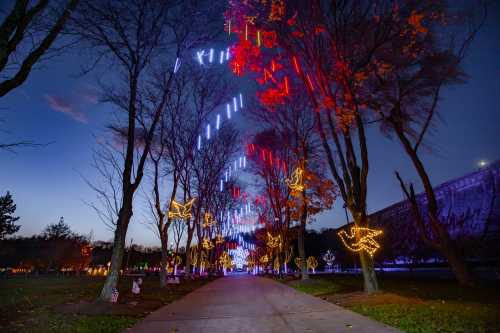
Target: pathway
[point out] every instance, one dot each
(244, 303)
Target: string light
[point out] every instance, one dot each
(208, 131)
(208, 220)
(241, 101)
(207, 244)
(296, 182)
(221, 58)
(264, 259)
(329, 258)
(361, 239)
(217, 122)
(276, 265)
(273, 242)
(177, 65)
(225, 260)
(181, 211)
(211, 55)
(235, 104)
(199, 142)
(219, 239)
(200, 55)
(228, 111)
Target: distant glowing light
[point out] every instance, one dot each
(244, 161)
(208, 132)
(241, 101)
(221, 185)
(199, 142)
(227, 53)
(258, 38)
(228, 111)
(217, 122)
(221, 58)
(482, 163)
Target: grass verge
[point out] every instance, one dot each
(413, 306)
(67, 304)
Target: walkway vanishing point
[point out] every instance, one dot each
(244, 303)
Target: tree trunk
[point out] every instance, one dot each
(118, 250)
(369, 276)
(164, 261)
(302, 253)
(187, 268)
(370, 282)
(445, 243)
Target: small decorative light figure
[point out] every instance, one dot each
(181, 211)
(312, 263)
(361, 239)
(296, 181)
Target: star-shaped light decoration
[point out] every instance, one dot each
(361, 239)
(296, 180)
(181, 211)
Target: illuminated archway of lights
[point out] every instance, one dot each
(181, 211)
(361, 239)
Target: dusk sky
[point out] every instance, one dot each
(58, 107)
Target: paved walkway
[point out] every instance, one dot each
(244, 303)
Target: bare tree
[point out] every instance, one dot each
(406, 95)
(28, 33)
(134, 37)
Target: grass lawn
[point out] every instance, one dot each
(416, 306)
(66, 304)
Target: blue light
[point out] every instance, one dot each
(228, 111)
(221, 59)
(177, 65)
(211, 56)
(200, 56)
(217, 123)
(241, 101)
(208, 132)
(199, 142)
(235, 104)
